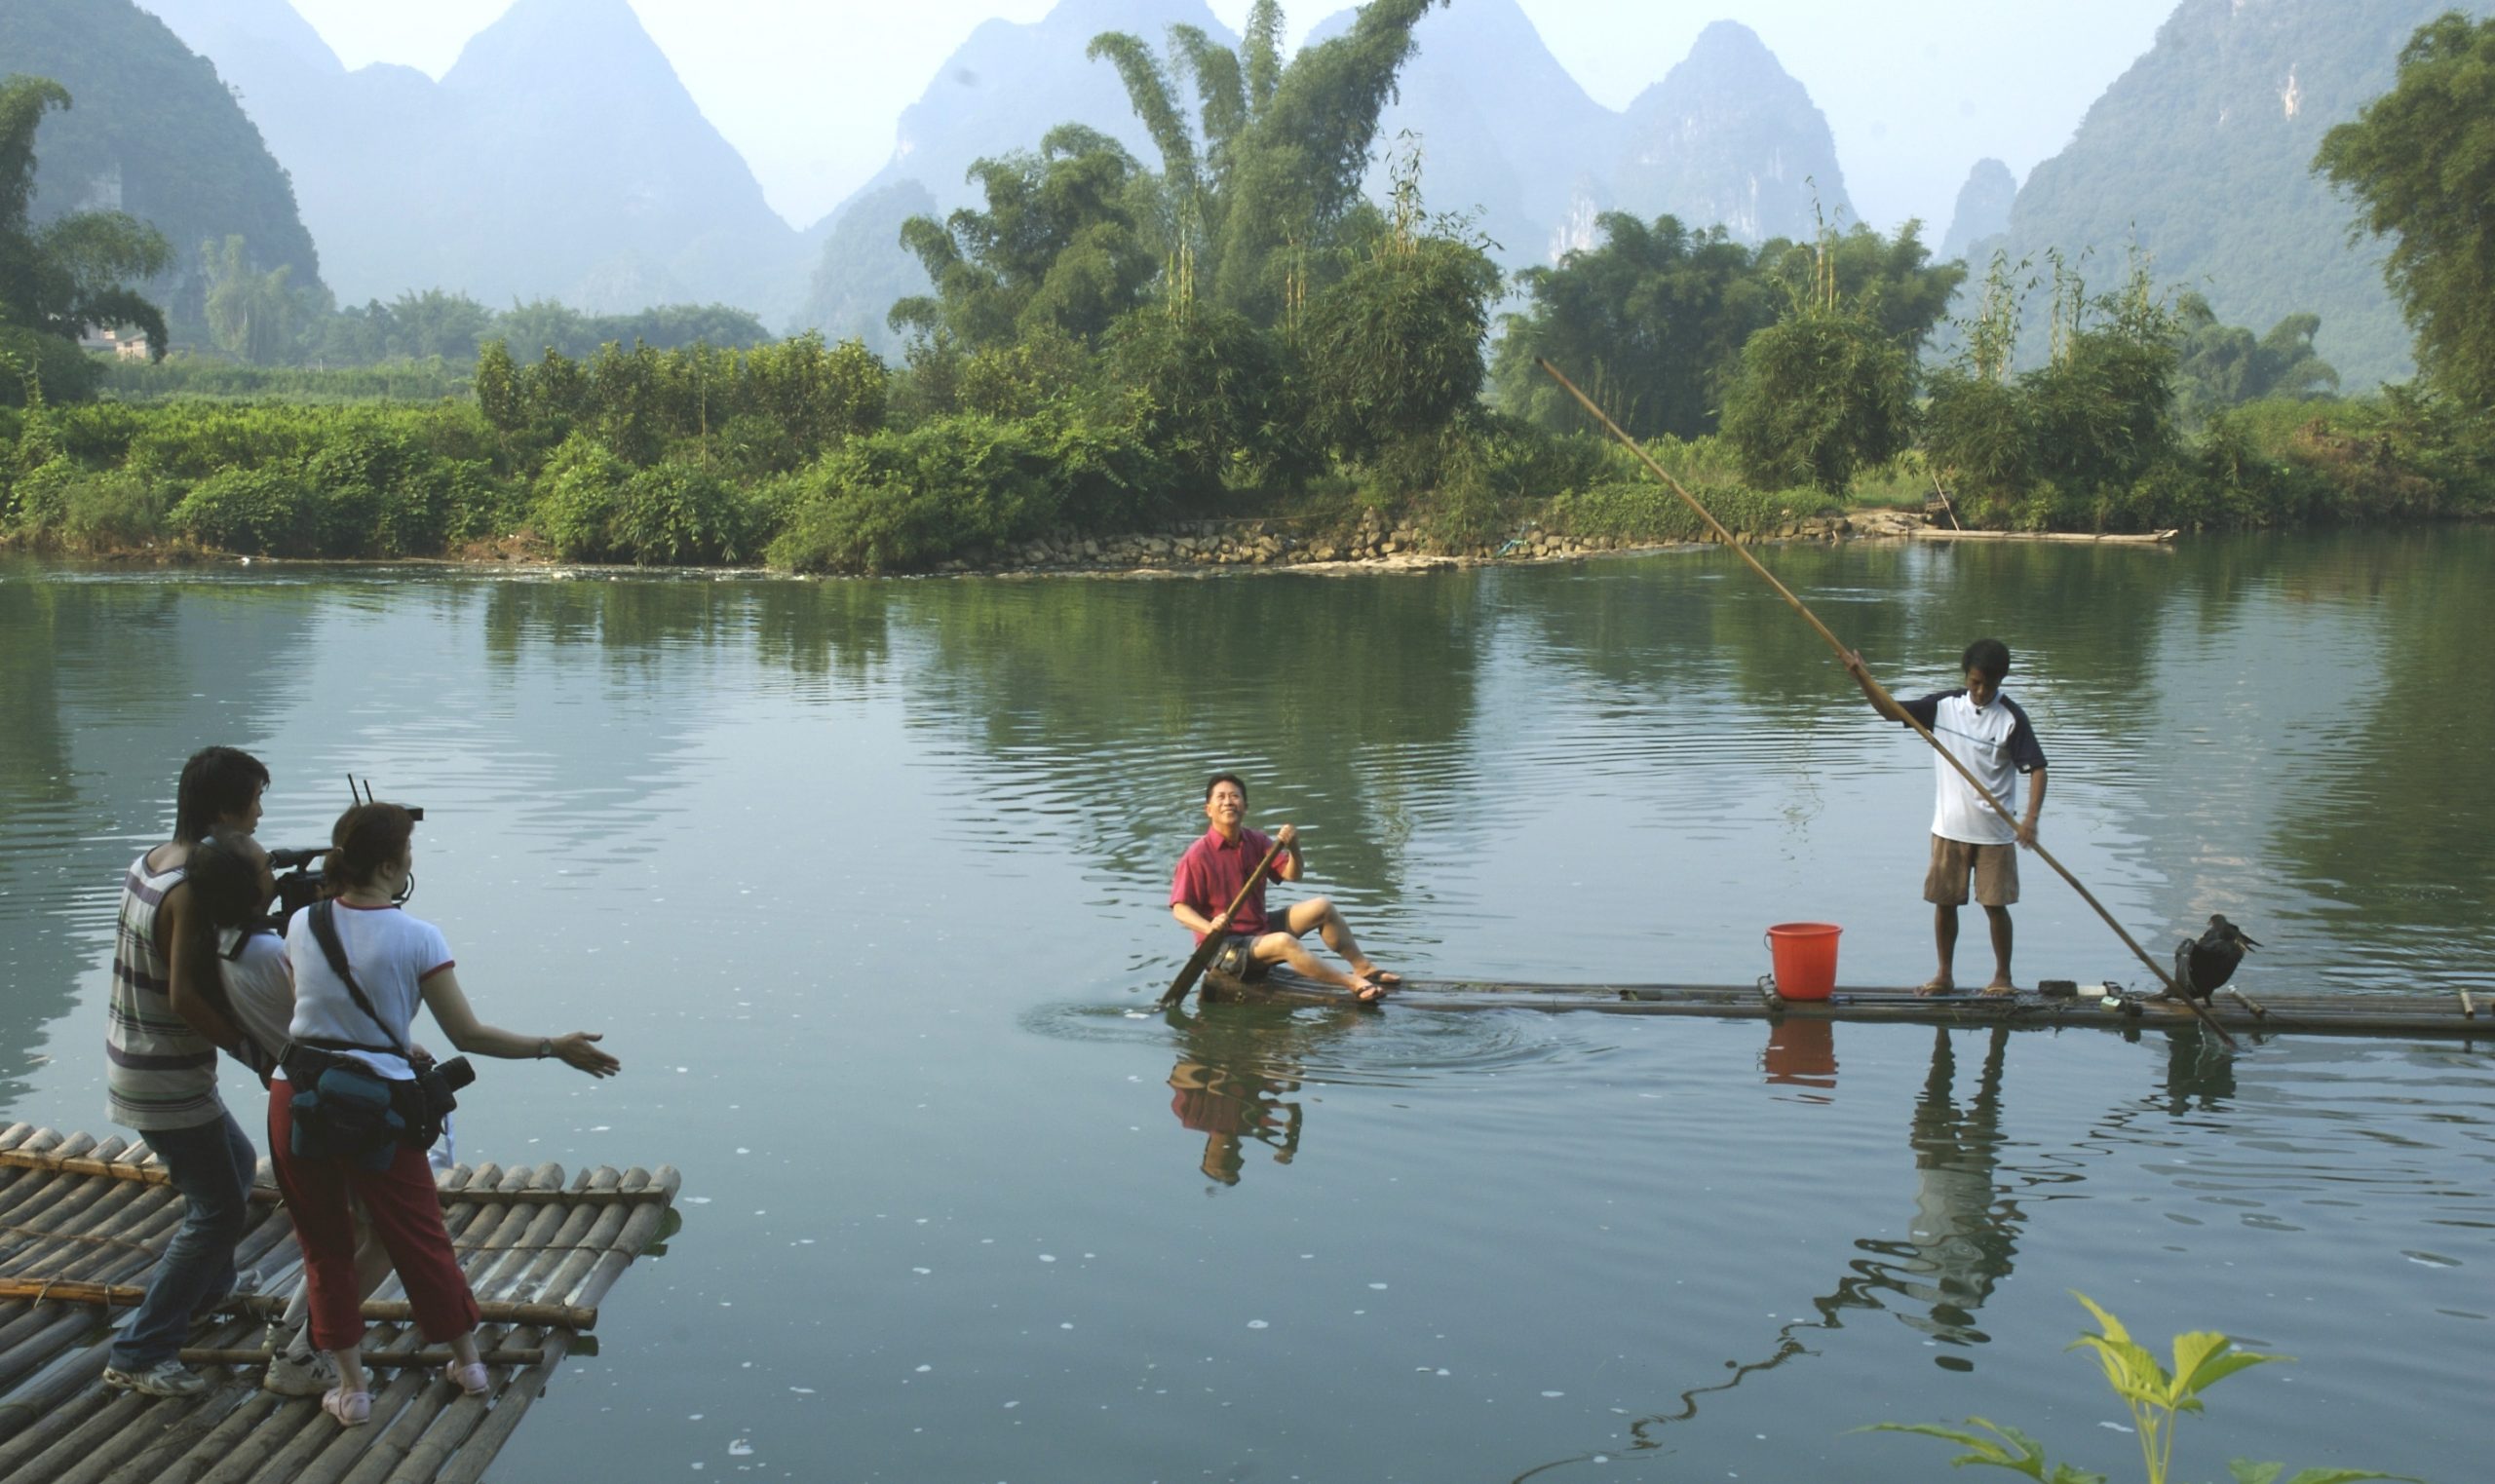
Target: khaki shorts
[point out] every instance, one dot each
(1994, 867)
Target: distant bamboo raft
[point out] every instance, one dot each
(2113, 538)
(82, 1223)
(2460, 1013)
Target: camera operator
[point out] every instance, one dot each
(233, 886)
(394, 961)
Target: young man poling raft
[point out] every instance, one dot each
(1209, 876)
(1989, 733)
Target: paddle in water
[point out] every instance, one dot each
(1205, 951)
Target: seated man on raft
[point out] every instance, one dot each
(1214, 869)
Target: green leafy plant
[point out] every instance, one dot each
(2158, 1396)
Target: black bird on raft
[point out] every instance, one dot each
(2204, 964)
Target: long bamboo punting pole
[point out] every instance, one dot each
(1842, 653)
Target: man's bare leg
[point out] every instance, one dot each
(1283, 949)
(1999, 919)
(1944, 937)
(1318, 914)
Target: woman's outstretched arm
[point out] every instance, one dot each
(450, 1010)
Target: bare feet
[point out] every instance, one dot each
(1938, 984)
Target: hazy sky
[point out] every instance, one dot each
(1916, 90)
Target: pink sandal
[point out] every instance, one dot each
(352, 1409)
(470, 1378)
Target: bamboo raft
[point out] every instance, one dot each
(2121, 538)
(2460, 1014)
(82, 1223)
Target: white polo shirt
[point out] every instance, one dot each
(1996, 744)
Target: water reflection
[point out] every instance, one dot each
(1801, 1053)
(1237, 1070)
(1960, 1244)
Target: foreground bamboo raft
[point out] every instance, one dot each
(82, 1222)
(2460, 1013)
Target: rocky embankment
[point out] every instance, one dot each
(1372, 541)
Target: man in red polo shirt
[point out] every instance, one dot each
(1212, 870)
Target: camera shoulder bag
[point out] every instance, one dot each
(341, 1107)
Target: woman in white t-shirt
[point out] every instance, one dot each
(398, 963)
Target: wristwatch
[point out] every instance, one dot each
(545, 1047)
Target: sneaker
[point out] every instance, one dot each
(166, 1378)
(245, 1284)
(305, 1375)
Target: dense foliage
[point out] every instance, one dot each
(2421, 158)
(156, 134)
(1106, 345)
(60, 278)
(1653, 322)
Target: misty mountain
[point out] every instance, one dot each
(860, 270)
(1000, 91)
(1983, 210)
(1728, 136)
(560, 157)
(1503, 129)
(2202, 152)
(151, 130)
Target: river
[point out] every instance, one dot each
(866, 882)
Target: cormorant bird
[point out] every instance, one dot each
(2202, 964)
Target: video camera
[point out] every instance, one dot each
(299, 885)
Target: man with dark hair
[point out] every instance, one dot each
(1214, 869)
(161, 1041)
(1987, 732)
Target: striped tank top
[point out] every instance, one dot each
(160, 1073)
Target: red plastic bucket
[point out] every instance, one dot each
(1804, 958)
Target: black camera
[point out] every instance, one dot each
(437, 1083)
(299, 887)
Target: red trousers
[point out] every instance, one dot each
(405, 1212)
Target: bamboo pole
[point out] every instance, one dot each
(231, 1431)
(580, 1316)
(469, 1465)
(572, 1237)
(1842, 653)
(437, 1356)
(266, 1192)
(120, 1410)
(159, 1435)
(56, 1399)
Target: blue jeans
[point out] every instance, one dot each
(212, 1165)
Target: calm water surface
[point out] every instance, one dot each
(865, 883)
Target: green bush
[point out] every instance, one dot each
(671, 515)
(1817, 396)
(1220, 398)
(65, 372)
(114, 512)
(39, 497)
(1643, 509)
(577, 493)
(265, 511)
(897, 502)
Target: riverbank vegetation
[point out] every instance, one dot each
(1232, 330)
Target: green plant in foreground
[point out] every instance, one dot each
(2158, 1398)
